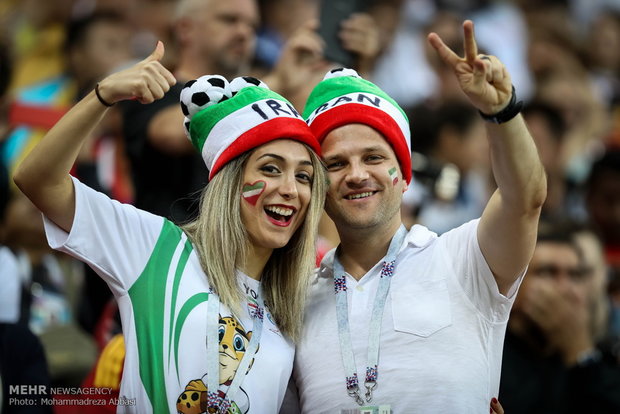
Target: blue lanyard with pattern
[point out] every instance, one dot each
(374, 334)
(217, 399)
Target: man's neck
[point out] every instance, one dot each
(361, 249)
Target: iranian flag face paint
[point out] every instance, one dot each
(251, 192)
(393, 175)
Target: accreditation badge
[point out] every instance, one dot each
(369, 409)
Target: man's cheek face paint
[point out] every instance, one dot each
(393, 175)
(251, 192)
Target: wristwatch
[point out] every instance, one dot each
(510, 111)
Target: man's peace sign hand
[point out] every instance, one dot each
(483, 78)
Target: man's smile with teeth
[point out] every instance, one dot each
(360, 195)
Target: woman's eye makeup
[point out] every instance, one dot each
(270, 169)
(304, 176)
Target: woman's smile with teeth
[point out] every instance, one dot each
(360, 195)
(282, 211)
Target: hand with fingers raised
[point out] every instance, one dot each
(484, 79)
(301, 60)
(360, 35)
(146, 81)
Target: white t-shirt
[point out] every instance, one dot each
(162, 293)
(441, 337)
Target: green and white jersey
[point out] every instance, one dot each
(162, 292)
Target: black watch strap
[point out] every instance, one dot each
(510, 111)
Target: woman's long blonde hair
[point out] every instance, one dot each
(221, 242)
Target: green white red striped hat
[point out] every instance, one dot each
(223, 120)
(343, 97)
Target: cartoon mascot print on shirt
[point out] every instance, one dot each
(233, 341)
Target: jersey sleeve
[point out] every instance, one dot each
(115, 239)
(474, 274)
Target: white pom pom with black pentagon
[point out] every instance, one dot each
(244, 81)
(335, 73)
(203, 92)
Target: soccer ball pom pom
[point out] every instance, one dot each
(244, 81)
(203, 92)
(335, 73)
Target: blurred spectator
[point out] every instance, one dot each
(564, 82)
(10, 294)
(36, 31)
(446, 24)
(95, 45)
(586, 118)
(212, 37)
(50, 283)
(602, 54)
(585, 12)
(22, 359)
(603, 202)
(454, 175)
(300, 50)
(551, 363)
(38, 295)
(552, 38)
(547, 127)
(410, 72)
(498, 16)
(22, 362)
(604, 312)
(279, 21)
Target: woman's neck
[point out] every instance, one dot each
(255, 260)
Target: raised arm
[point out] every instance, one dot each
(507, 230)
(44, 174)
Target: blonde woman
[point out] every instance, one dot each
(210, 311)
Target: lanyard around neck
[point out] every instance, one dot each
(374, 334)
(218, 399)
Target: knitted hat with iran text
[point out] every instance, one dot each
(343, 97)
(223, 120)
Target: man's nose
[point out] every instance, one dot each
(357, 173)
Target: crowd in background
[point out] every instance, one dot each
(563, 55)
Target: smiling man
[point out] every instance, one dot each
(407, 321)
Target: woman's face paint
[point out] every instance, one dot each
(393, 175)
(251, 192)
